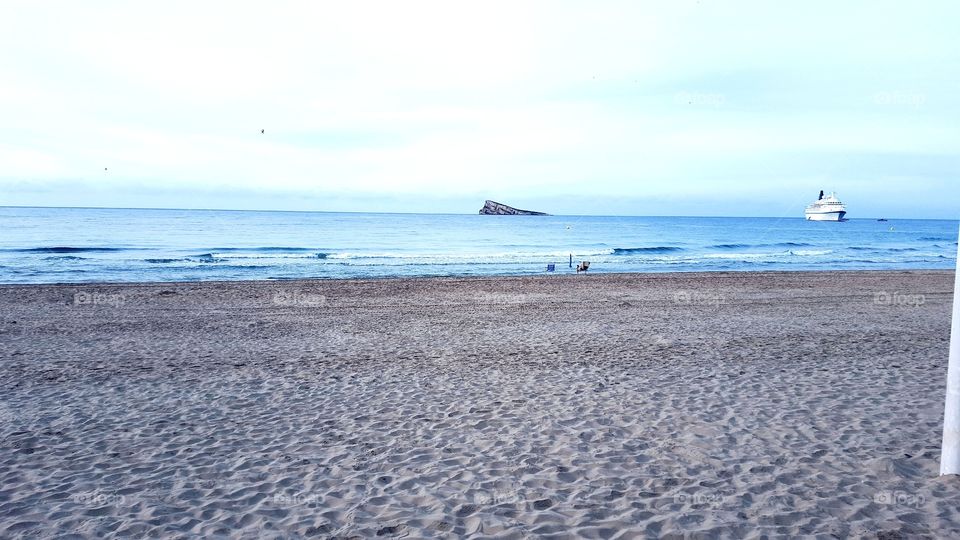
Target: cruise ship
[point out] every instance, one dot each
(827, 208)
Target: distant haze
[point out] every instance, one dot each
(630, 108)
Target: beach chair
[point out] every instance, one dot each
(583, 266)
(551, 267)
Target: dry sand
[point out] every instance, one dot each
(714, 405)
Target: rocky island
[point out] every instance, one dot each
(493, 208)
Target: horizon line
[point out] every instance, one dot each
(436, 213)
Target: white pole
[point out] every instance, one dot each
(950, 452)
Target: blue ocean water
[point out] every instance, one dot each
(57, 245)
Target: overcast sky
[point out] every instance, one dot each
(668, 108)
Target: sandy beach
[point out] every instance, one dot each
(597, 406)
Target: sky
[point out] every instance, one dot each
(696, 107)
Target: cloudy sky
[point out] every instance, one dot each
(668, 108)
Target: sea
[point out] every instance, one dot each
(75, 245)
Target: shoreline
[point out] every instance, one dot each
(492, 277)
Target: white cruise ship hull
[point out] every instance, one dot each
(825, 216)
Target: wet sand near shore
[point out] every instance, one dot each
(599, 406)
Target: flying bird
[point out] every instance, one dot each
(261, 131)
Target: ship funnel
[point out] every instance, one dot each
(821, 195)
